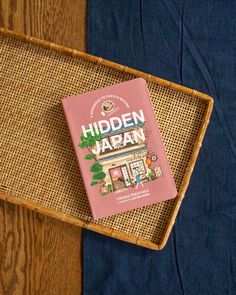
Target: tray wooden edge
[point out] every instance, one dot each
(78, 222)
(99, 60)
(185, 182)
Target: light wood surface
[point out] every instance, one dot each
(39, 254)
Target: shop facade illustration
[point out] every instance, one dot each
(129, 165)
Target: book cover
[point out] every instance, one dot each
(119, 148)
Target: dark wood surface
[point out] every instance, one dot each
(38, 254)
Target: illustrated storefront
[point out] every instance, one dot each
(124, 176)
(124, 166)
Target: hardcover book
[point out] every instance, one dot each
(119, 148)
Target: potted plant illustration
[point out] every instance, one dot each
(88, 142)
(151, 175)
(98, 174)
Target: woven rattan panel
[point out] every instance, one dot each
(36, 154)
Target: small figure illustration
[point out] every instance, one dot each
(138, 178)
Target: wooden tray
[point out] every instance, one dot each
(38, 165)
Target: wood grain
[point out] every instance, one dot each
(38, 254)
(58, 21)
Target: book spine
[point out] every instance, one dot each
(79, 161)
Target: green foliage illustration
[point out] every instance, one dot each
(151, 174)
(98, 174)
(110, 187)
(96, 167)
(88, 142)
(89, 157)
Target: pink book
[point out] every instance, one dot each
(119, 148)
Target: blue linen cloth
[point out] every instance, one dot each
(192, 43)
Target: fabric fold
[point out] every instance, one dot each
(192, 43)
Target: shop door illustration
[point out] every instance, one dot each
(120, 177)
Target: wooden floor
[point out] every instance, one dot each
(38, 254)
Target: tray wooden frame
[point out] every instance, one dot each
(89, 225)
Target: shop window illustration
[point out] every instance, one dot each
(121, 158)
(119, 177)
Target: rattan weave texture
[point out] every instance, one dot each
(37, 162)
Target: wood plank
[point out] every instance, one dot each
(38, 254)
(58, 21)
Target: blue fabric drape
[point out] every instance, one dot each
(192, 43)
